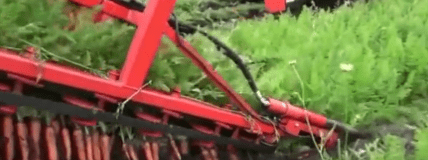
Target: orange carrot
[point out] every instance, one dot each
(7, 130)
(66, 144)
(55, 126)
(35, 128)
(214, 154)
(105, 146)
(184, 147)
(79, 144)
(51, 148)
(132, 152)
(147, 151)
(125, 150)
(21, 131)
(88, 139)
(232, 153)
(205, 154)
(155, 150)
(96, 145)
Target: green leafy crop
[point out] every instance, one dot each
(103, 46)
(356, 64)
(421, 144)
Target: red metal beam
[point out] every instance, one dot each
(121, 12)
(146, 41)
(12, 63)
(131, 16)
(87, 3)
(275, 6)
(205, 66)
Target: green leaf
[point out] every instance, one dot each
(394, 148)
(421, 144)
(87, 59)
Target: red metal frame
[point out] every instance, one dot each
(275, 6)
(151, 25)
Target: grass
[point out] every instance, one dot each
(356, 64)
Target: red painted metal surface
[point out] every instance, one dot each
(287, 110)
(100, 17)
(4, 87)
(121, 12)
(275, 6)
(130, 15)
(7, 109)
(151, 25)
(296, 128)
(11, 62)
(87, 3)
(204, 65)
(83, 104)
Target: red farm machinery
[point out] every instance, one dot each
(190, 127)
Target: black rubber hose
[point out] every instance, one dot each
(174, 23)
(236, 59)
(132, 4)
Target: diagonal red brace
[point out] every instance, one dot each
(146, 42)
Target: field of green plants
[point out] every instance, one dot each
(361, 65)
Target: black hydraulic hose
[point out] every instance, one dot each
(236, 59)
(188, 29)
(132, 4)
(228, 51)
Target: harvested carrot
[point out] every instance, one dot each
(55, 126)
(51, 148)
(7, 133)
(205, 154)
(35, 128)
(184, 147)
(155, 150)
(105, 146)
(79, 144)
(233, 156)
(96, 145)
(147, 151)
(66, 143)
(125, 150)
(232, 153)
(21, 131)
(88, 140)
(132, 152)
(214, 155)
(175, 153)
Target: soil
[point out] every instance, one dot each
(378, 130)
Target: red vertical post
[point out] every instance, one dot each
(146, 41)
(275, 6)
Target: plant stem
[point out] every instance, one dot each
(302, 99)
(301, 85)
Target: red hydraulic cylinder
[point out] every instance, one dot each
(285, 109)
